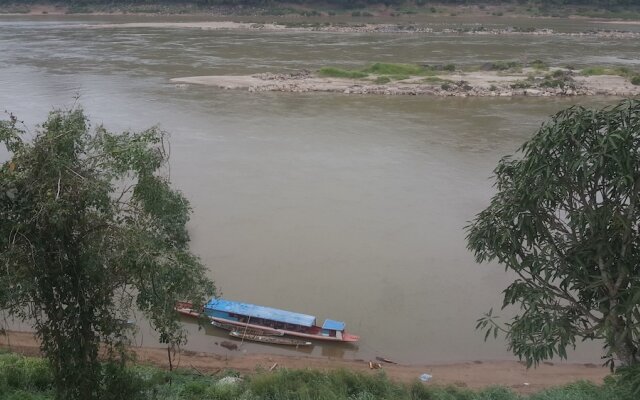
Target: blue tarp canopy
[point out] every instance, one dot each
(254, 311)
(333, 325)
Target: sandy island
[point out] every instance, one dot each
(461, 84)
(362, 28)
(473, 374)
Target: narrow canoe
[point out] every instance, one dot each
(269, 339)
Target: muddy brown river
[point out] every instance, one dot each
(348, 207)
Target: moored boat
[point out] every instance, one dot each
(250, 331)
(269, 339)
(187, 309)
(273, 320)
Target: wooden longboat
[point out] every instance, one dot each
(272, 320)
(247, 330)
(186, 309)
(269, 339)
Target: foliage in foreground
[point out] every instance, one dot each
(90, 227)
(566, 220)
(30, 379)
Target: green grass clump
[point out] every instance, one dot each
(521, 85)
(381, 80)
(590, 71)
(598, 70)
(635, 80)
(333, 385)
(396, 72)
(18, 372)
(341, 73)
(395, 69)
(539, 64)
(505, 65)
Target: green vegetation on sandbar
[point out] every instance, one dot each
(30, 378)
(386, 72)
(633, 76)
(395, 69)
(341, 73)
(599, 70)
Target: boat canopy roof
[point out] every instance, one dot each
(333, 325)
(254, 311)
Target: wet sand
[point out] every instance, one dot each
(473, 374)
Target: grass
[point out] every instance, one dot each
(624, 72)
(387, 72)
(435, 80)
(506, 66)
(341, 73)
(395, 69)
(598, 70)
(539, 65)
(30, 379)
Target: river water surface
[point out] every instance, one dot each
(348, 207)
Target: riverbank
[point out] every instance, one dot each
(474, 374)
(313, 10)
(524, 82)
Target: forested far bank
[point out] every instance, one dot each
(615, 8)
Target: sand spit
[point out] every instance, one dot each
(210, 25)
(471, 84)
(472, 374)
(362, 28)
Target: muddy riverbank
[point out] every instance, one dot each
(472, 374)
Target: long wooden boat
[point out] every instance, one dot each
(186, 309)
(273, 320)
(250, 331)
(269, 339)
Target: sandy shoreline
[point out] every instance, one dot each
(460, 84)
(360, 28)
(473, 374)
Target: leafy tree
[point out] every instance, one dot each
(565, 219)
(90, 229)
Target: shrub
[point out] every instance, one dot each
(521, 85)
(394, 69)
(341, 73)
(539, 64)
(449, 67)
(635, 80)
(381, 80)
(590, 71)
(505, 65)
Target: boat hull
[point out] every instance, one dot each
(245, 330)
(270, 339)
(346, 337)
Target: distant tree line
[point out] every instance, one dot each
(347, 3)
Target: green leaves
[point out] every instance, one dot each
(565, 219)
(89, 226)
